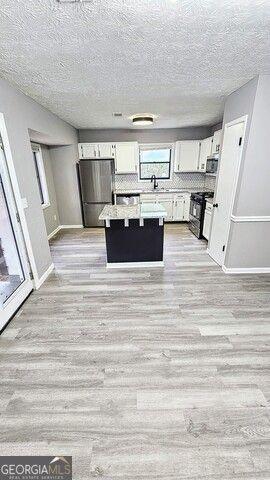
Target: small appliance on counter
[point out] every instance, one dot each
(196, 212)
(212, 164)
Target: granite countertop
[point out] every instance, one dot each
(122, 212)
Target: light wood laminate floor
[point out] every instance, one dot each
(140, 374)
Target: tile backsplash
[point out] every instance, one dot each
(179, 180)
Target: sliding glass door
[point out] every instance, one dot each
(15, 282)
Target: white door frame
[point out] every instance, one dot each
(17, 195)
(242, 119)
(22, 234)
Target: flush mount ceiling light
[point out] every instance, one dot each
(143, 120)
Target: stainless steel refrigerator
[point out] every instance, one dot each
(96, 179)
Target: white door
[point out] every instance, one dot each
(205, 151)
(126, 157)
(15, 282)
(226, 186)
(187, 156)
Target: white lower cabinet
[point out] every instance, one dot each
(176, 205)
(168, 205)
(186, 208)
(178, 208)
(207, 220)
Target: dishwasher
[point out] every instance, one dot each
(127, 199)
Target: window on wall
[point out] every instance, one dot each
(155, 160)
(41, 177)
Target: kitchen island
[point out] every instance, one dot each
(134, 234)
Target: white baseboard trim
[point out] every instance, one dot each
(243, 271)
(51, 235)
(60, 227)
(71, 226)
(135, 264)
(45, 275)
(257, 218)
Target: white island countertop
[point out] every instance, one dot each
(143, 210)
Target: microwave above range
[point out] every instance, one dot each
(212, 164)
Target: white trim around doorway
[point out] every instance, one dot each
(17, 195)
(62, 227)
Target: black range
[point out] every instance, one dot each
(196, 211)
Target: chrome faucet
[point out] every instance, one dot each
(154, 179)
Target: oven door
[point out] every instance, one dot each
(195, 210)
(194, 226)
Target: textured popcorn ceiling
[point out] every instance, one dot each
(177, 59)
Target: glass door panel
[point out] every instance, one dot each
(15, 282)
(11, 272)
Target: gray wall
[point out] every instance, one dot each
(253, 195)
(64, 161)
(238, 104)
(51, 212)
(216, 127)
(248, 246)
(22, 113)
(144, 135)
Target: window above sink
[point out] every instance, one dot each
(155, 159)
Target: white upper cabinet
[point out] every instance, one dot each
(87, 150)
(106, 150)
(187, 156)
(216, 142)
(205, 151)
(96, 150)
(126, 157)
